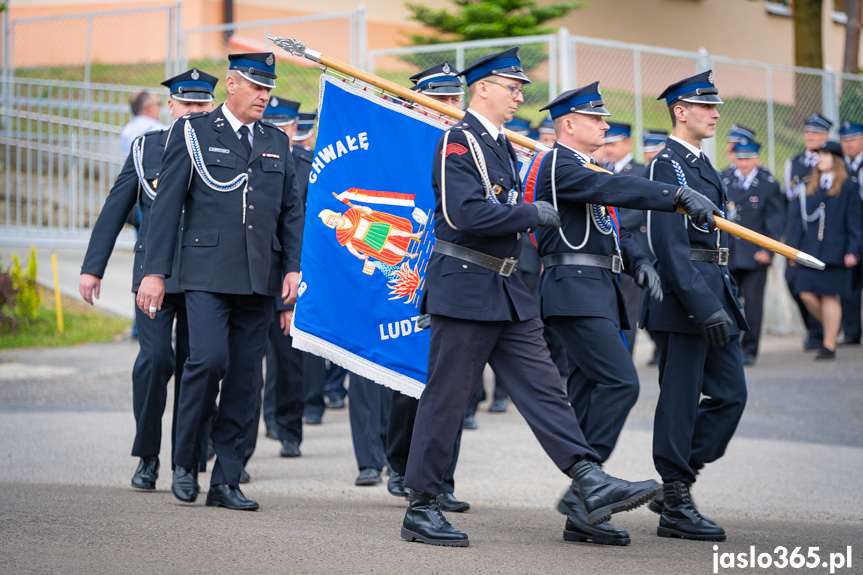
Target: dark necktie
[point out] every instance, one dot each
(706, 160)
(501, 140)
(244, 139)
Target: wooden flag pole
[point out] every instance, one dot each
(299, 49)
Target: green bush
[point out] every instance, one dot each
(27, 294)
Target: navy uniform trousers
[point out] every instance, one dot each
(367, 410)
(400, 427)
(702, 389)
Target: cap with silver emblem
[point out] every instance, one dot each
(698, 89)
(585, 100)
(505, 64)
(259, 67)
(192, 86)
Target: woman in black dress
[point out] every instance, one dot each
(829, 226)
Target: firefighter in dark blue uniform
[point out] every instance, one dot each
(826, 225)
(137, 185)
(579, 294)
(816, 131)
(698, 322)
(738, 133)
(755, 201)
(481, 312)
(232, 179)
(851, 140)
(443, 84)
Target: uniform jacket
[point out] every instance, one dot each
(761, 208)
(303, 158)
(220, 252)
(126, 192)
(463, 216)
(634, 220)
(692, 290)
(586, 291)
(842, 231)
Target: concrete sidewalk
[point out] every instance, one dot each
(790, 478)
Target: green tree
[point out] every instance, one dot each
(484, 19)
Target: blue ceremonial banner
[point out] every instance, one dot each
(368, 237)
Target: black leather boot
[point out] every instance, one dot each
(680, 517)
(147, 473)
(603, 494)
(657, 503)
(579, 529)
(425, 522)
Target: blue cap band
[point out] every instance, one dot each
(673, 96)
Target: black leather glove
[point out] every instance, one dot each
(548, 216)
(424, 321)
(646, 278)
(715, 328)
(698, 206)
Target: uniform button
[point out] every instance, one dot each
(250, 188)
(726, 276)
(275, 165)
(142, 266)
(218, 161)
(196, 240)
(140, 246)
(464, 266)
(578, 272)
(664, 192)
(518, 235)
(250, 170)
(251, 227)
(251, 208)
(691, 316)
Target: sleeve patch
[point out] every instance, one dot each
(455, 148)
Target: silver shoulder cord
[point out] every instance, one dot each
(819, 214)
(194, 149)
(478, 159)
(554, 202)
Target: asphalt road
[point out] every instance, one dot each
(791, 478)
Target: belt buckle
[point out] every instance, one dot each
(616, 264)
(723, 256)
(507, 267)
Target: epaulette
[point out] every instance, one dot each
(151, 133)
(195, 115)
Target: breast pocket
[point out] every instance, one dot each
(583, 282)
(274, 175)
(198, 258)
(220, 166)
(467, 286)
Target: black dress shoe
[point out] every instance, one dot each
(470, 422)
(230, 497)
(425, 522)
(579, 529)
(448, 502)
(290, 449)
(244, 476)
(826, 353)
(499, 405)
(185, 485)
(147, 473)
(680, 518)
(396, 485)
(603, 494)
(368, 476)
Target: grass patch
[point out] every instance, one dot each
(83, 324)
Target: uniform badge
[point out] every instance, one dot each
(598, 91)
(195, 75)
(455, 148)
(753, 199)
(155, 183)
(274, 101)
(270, 60)
(710, 76)
(446, 68)
(496, 189)
(270, 155)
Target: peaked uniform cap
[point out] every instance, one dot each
(698, 89)
(584, 100)
(618, 131)
(506, 64)
(192, 86)
(258, 67)
(440, 80)
(281, 111)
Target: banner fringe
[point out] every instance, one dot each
(312, 344)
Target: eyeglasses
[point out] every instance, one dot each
(513, 91)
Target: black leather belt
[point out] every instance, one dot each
(503, 267)
(612, 263)
(719, 256)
